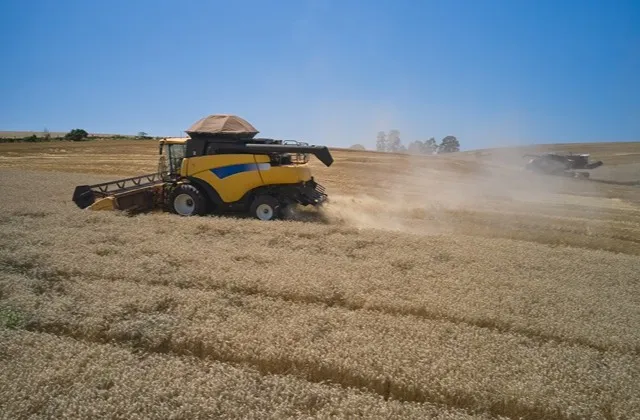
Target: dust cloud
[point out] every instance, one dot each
(440, 194)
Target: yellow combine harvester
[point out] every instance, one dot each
(221, 167)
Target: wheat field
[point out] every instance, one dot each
(445, 287)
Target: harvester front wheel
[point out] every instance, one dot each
(187, 200)
(265, 207)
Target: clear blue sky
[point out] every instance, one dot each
(331, 72)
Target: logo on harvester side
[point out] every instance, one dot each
(226, 171)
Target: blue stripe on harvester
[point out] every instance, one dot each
(225, 171)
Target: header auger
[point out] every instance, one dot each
(221, 167)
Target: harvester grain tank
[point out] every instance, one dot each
(220, 167)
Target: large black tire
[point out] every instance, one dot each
(187, 200)
(265, 207)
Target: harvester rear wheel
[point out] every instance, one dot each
(265, 207)
(187, 200)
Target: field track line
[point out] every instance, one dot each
(340, 301)
(315, 374)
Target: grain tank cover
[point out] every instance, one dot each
(222, 125)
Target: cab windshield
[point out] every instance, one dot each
(171, 156)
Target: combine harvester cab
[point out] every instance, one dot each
(221, 167)
(570, 165)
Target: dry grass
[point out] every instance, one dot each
(99, 157)
(429, 287)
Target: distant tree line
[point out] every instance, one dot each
(77, 134)
(390, 142)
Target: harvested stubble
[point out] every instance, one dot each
(462, 314)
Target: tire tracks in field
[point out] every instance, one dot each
(496, 226)
(339, 300)
(562, 239)
(314, 373)
(286, 363)
(423, 313)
